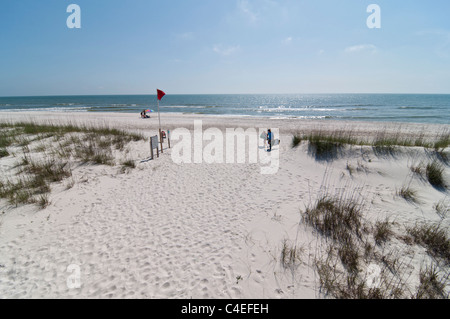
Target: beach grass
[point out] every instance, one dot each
(69, 143)
(431, 286)
(3, 153)
(382, 142)
(407, 193)
(442, 208)
(129, 164)
(352, 243)
(382, 231)
(335, 217)
(434, 173)
(296, 140)
(290, 255)
(432, 237)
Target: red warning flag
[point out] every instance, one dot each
(160, 94)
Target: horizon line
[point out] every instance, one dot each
(169, 94)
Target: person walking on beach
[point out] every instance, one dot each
(269, 139)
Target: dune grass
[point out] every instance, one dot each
(352, 244)
(296, 140)
(442, 208)
(442, 142)
(69, 143)
(382, 231)
(335, 217)
(326, 143)
(290, 255)
(434, 173)
(407, 193)
(432, 237)
(3, 153)
(431, 287)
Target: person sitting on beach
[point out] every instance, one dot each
(144, 115)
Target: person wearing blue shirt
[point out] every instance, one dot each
(269, 139)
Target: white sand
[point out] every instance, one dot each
(200, 230)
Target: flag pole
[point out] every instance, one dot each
(160, 132)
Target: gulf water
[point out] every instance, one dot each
(410, 108)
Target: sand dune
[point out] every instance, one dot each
(167, 230)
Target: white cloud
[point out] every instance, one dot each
(321, 52)
(246, 10)
(361, 47)
(256, 12)
(226, 50)
(288, 40)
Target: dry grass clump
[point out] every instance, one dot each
(3, 152)
(290, 255)
(442, 208)
(35, 180)
(434, 173)
(339, 218)
(431, 286)
(432, 237)
(335, 217)
(382, 231)
(69, 143)
(408, 194)
(296, 140)
(354, 246)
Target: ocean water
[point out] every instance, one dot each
(411, 108)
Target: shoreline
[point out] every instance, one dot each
(175, 120)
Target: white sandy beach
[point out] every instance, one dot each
(165, 230)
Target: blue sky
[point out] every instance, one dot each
(226, 46)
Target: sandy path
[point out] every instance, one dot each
(165, 230)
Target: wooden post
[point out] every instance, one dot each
(151, 147)
(161, 141)
(168, 137)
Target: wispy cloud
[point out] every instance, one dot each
(247, 11)
(287, 40)
(186, 36)
(226, 50)
(361, 48)
(256, 12)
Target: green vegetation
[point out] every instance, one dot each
(324, 144)
(335, 217)
(3, 153)
(296, 140)
(290, 255)
(352, 245)
(408, 194)
(434, 172)
(432, 237)
(431, 287)
(382, 231)
(31, 185)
